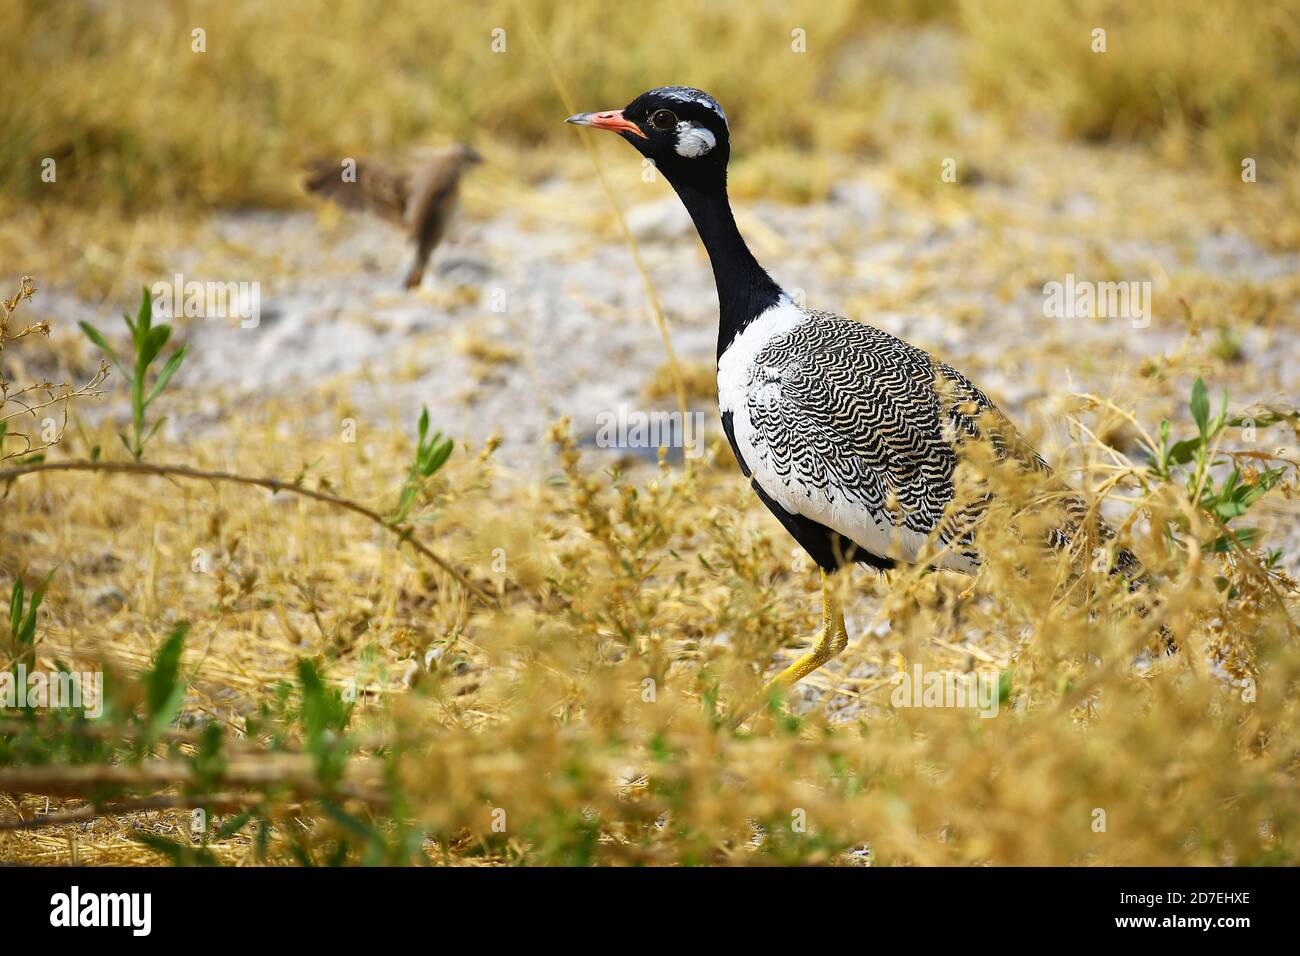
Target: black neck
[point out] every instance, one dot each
(745, 290)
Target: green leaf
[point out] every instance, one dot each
(173, 851)
(1200, 406)
(438, 456)
(1224, 543)
(164, 691)
(404, 504)
(430, 455)
(325, 716)
(98, 339)
(323, 708)
(1249, 494)
(348, 822)
(152, 345)
(1180, 453)
(166, 374)
(153, 428)
(178, 853)
(27, 629)
(1004, 687)
(15, 608)
(145, 313)
(233, 825)
(1227, 510)
(39, 594)
(209, 759)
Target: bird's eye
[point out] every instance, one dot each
(663, 119)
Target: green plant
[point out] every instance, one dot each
(144, 737)
(22, 624)
(325, 717)
(164, 688)
(1193, 459)
(431, 453)
(147, 341)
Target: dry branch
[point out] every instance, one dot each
(402, 532)
(294, 772)
(216, 802)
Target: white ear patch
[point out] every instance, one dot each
(694, 140)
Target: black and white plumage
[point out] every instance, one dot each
(848, 434)
(840, 424)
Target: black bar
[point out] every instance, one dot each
(335, 906)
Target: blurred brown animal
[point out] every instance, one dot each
(417, 193)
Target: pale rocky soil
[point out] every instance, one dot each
(574, 336)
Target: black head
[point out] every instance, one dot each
(682, 130)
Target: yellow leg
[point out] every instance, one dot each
(833, 640)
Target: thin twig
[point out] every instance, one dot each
(297, 772)
(1260, 572)
(679, 385)
(404, 533)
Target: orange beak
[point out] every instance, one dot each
(609, 119)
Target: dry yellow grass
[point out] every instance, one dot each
(541, 710)
(135, 117)
(1215, 80)
(581, 720)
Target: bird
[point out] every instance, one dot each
(848, 434)
(417, 193)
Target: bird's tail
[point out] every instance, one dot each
(1127, 565)
(1124, 564)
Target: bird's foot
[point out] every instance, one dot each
(833, 640)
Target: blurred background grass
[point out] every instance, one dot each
(1214, 81)
(137, 120)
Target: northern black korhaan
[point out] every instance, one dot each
(848, 434)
